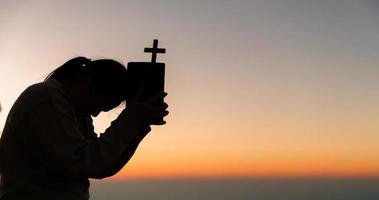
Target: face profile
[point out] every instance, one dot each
(103, 104)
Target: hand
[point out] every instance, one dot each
(147, 111)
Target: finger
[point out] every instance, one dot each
(157, 96)
(159, 114)
(164, 104)
(155, 117)
(159, 108)
(157, 122)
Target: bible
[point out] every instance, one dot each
(148, 75)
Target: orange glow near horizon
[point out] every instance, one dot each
(163, 164)
(259, 170)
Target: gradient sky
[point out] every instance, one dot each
(256, 88)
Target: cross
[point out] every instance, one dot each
(154, 51)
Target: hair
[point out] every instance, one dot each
(107, 77)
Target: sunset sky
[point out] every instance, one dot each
(270, 88)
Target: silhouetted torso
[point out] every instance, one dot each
(48, 152)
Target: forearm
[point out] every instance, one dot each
(126, 155)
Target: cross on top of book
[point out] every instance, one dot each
(154, 51)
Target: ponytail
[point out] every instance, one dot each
(70, 70)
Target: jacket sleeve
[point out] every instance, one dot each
(61, 146)
(126, 155)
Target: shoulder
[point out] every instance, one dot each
(43, 94)
(46, 89)
(39, 99)
(43, 89)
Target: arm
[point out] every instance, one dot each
(148, 115)
(61, 146)
(126, 155)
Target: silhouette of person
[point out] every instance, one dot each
(48, 148)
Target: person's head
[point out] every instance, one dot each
(94, 86)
